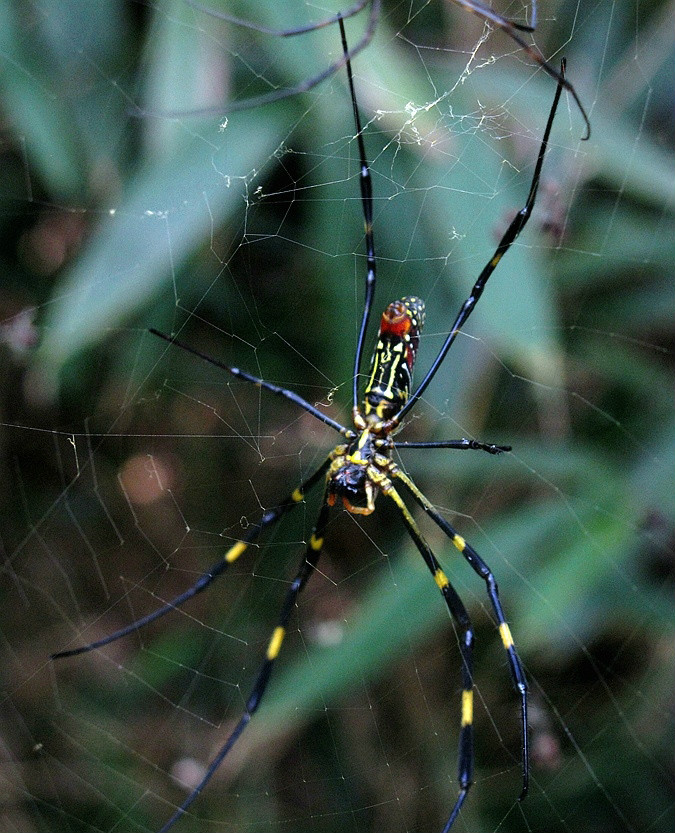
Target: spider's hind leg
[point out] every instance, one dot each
(465, 759)
(269, 518)
(307, 567)
(481, 568)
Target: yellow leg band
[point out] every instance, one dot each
(505, 633)
(467, 708)
(234, 552)
(297, 496)
(275, 642)
(459, 542)
(441, 579)
(315, 543)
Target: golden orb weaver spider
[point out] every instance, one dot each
(361, 467)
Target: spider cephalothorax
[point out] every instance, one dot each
(358, 471)
(355, 475)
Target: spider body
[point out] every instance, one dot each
(362, 467)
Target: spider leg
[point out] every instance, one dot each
(462, 445)
(279, 33)
(270, 517)
(511, 30)
(488, 14)
(280, 94)
(482, 569)
(366, 185)
(515, 227)
(307, 567)
(461, 617)
(261, 383)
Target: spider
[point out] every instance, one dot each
(362, 467)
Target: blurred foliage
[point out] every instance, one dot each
(127, 468)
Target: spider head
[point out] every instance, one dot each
(351, 483)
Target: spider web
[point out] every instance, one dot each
(129, 467)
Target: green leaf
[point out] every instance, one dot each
(167, 211)
(41, 118)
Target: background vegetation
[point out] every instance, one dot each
(127, 468)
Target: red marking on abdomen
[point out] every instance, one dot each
(396, 320)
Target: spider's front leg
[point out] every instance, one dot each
(510, 235)
(512, 29)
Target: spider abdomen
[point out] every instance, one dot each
(394, 356)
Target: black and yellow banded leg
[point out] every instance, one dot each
(461, 617)
(270, 517)
(307, 567)
(515, 227)
(482, 569)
